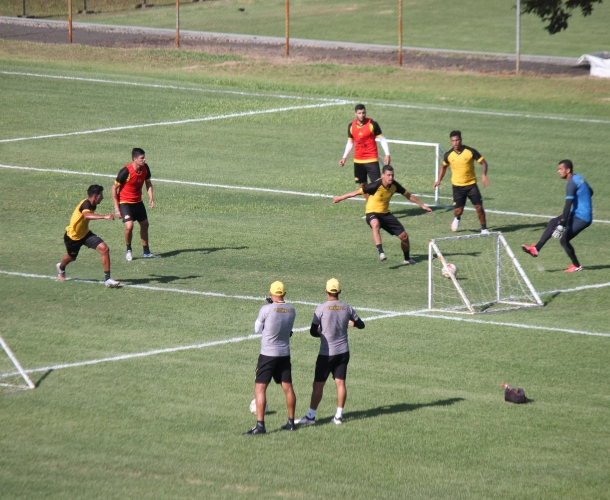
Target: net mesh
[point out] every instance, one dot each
(487, 276)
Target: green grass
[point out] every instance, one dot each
(425, 416)
(470, 25)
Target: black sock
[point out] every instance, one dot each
(107, 274)
(483, 226)
(145, 249)
(129, 247)
(260, 423)
(62, 268)
(380, 248)
(291, 421)
(407, 256)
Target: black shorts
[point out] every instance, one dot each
(461, 193)
(278, 368)
(337, 365)
(73, 246)
(387, 222)
(133, 212)
(362, 169)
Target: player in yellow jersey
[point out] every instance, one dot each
(461, 159)
(77, 234)
(378, 214)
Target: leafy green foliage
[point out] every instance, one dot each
(557, 12)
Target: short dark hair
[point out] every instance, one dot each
(95, 189)
(135, 152)
(567, 164)
(387, 167)
(455, 133)
(360, 106)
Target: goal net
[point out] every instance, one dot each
(12, 376)
(417, 165)
(476, 274)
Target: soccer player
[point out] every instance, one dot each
(77, 234)
(576, 217)
(127, 198)
(362, 133)
(378, 215)
(330, 323)
(275, 322)
(461, 159)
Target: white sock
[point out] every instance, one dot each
(311, 414)
(339, 413)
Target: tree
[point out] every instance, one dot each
(557, 12)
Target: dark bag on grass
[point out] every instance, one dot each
(514, 395)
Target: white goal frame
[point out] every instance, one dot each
(27, 381)
(438, 157)
(506, 303)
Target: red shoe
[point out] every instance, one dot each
(531, 250)
(573, 269)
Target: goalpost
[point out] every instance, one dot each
(12, 375)
(487, 276)
(422, 161)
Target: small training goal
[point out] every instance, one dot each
(12, 375)
(477, 274)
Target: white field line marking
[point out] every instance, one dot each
(268, 190)
(255, 94)
(177, 122)
(382, 313)
(169, 87)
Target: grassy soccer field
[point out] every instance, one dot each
(143, 391)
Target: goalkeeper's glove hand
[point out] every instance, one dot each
(558, 232)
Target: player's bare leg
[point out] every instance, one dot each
(375, 227)
(405, 246)
(316, 394)
(260, 395)
(66, 260)
(291, 399)
(482, 219)
(103, 249)
(341, 392)
(144, 232)
(128, 233)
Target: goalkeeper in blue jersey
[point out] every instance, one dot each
(577, 215)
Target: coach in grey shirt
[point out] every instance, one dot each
(275, 322)
(330, 323)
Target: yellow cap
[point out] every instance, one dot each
(277, 289)
(333, 286)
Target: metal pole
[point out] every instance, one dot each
(400, 32)
(287, 27)
(177, 24)
(70, 21)
(518, 54)
(85, 6)
(24, 14)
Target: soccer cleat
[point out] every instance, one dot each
(255, 430)
(532, 250)
(150, 256)
(484, 232)
(573, 268)
(288, 426)
(338, 420)
(128, 256)
(306, 421)
(455, 224)
(110, 283)
(409, 262)
(382, 257)
(61, 275)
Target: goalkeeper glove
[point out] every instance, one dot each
(558, 232)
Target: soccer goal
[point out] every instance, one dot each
(417, 165)
(476, 274)
(12, 376)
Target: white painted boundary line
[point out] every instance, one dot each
(280, 96)
(177, 122)
(268, 190)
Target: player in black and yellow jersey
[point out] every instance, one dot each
(77, 234)
(461, 159)
(378, 214)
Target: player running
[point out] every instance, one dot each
(461, 160)
(127, 198)
(378, 215)
(362, 133)
(577, 215)
(77, 234)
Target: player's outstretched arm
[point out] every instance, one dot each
(345, 196)
(412, 198)
(92, 216)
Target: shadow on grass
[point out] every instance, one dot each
(173, 253)
(43, 378)
(518, 227)
(388, 410)
(156, 278)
